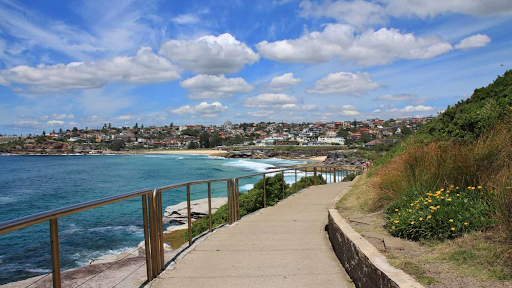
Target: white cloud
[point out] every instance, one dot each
(362, 13)
(203, 110)
(344, 83)
(474, 41)
(185, 19)
(4, 82)
(283, 82)
(376, 111)
(295, 107)
(419, 108)
(124, 117)
(209, 54)
(357, 12)
(339, 111)
(214, 87)
(145, 67)
(410, 98)
(63, 116)
(270, 101)
(431, 8)
(341, 41)
(261, 114)
(98, 102)
(55, 123)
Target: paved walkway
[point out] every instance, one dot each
(281, 246)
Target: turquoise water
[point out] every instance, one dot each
(33, 184)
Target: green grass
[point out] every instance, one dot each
(176, 238)
(416, 270)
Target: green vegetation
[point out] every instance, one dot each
(469, 145)
(415, 269)
(469, 119)
(253, 200)
(446, 213)
(350, 177)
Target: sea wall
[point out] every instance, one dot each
(366, 266)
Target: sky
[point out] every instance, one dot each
(69, 63)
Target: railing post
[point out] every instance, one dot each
(230, 204)
(282, 182)
(161, 266)
(237, 202)
(146, 236)
(54, 240)
(189, 217)
(210, 206)
(153, 222)
(264, 192)
(306, 176)
(296, 184)
(334, 174)
(315, 175)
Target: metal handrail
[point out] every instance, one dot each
(53, 215)
(153, 227)
(157, 224)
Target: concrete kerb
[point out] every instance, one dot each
(362, 261)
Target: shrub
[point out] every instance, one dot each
(446, 213)
(350, 177)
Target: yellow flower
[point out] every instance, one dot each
(412, 223)
(469, 187)
(442, 197)
(458, 194)
(429, 217)
(442, 190)
(479, 187)
(396, 210)
(449, 199)
(429, 201)
(393, 227)
(425, 203)
(410, 210)
(466, 223)
(421, 219)
(451, 220)
(457, 187)
(432, 207)
(453, 229)
(438, 207)
(472, 188)
(412, 204)
(432, 211)
(397, 221)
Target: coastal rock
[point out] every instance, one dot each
(178, 213)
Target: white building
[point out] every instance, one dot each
(331, 140)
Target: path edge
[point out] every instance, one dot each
(365, 265)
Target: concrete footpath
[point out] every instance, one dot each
(280, 246)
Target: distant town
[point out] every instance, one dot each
(368, 133)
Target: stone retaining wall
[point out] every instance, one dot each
(363, 262)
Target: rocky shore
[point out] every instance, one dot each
(178, 214)
(266, 153)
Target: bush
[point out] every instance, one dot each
(446, 213)
(350, 177)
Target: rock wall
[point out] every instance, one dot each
(365, 265)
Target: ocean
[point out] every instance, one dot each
(33, 184)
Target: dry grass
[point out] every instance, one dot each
(430, 166)
(176, 238)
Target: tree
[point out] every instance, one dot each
(109, 126)
(142, 126)
(215, 140)
(136, 126)
(204, 140)
(406, 131)
(60, 131)
(192, 145)
(343, 133)
(44, 133)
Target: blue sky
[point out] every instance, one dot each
(85, 63)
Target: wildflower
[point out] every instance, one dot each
(458, 194)
(451, 220)
(438, 207)
(421, 219)
(453, 229)
(410, 210)
(472, 188)
(412, 204)
(412, 223)
(479, 187)
(429, 217)
(457, 187)
(466, 223)
(449, 199)
(469, 187)
(425, 203)
(397, 221)
(432, 207)
(393, 227)
(429, 201)
(396, 210)
(442, 197)
(442, 190)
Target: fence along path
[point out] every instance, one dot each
(281, 246)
